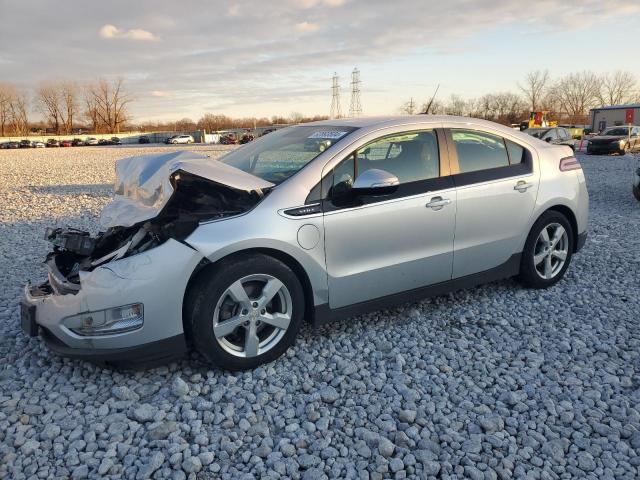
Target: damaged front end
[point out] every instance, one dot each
(157, 199)
(118, 294)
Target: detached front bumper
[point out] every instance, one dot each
(156, 279)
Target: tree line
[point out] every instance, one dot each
(210, 122)
(100, 106)
(569, 98)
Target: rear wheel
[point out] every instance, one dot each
(636, 192)
(245, 312)
(547, 252)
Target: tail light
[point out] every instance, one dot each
(569, 163)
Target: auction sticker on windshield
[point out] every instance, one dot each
(328, 134)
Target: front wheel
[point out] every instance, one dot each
(547, 251)
(636, 192)
(245, 312)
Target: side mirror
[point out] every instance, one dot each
(375, 182)
(548, 139)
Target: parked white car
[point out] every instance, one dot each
(180, 139)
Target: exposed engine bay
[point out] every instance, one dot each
(180, 201)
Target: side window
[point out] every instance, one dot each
(410, 156)
(479, 150)
(516, 152)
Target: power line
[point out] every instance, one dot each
(355, 109)
(336, 110)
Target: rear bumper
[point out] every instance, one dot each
(604, 149)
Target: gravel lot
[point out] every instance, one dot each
(493, 382)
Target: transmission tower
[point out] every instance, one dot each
(355, 109)
(336, 110)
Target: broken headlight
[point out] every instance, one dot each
(108, 322)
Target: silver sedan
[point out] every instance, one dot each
(313, 223)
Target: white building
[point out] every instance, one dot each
(615, 115)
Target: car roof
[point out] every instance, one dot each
(374, 123)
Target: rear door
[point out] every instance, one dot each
(496, 189)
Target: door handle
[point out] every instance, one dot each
(437, 203)
(522, 186)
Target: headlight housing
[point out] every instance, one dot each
(622, 143)
(110, 321)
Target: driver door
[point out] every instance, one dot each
(382, 244)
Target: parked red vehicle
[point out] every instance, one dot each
(66, 143)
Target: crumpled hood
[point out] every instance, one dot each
(143, 186)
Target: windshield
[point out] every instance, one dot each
(277, 156)
(616, 131)
(538, 133)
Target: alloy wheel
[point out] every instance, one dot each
(252, 315)
(551, 250)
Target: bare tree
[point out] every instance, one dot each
(69, 104)
(49, 102)
(295, 117)
(408, 108)
(14, 108)
(6, 93)
(617, 88)
(456, 105)
(535, 88)
(185, 125)
(576, 93)
(110, 102)
(19, 107)
(90, 110)
(212, 123)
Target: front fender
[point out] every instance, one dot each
(263, 230)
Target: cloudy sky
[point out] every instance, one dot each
(265, 58)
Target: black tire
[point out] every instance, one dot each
(529, 275)
(636, 192)
(210, 286)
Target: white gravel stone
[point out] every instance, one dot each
(492, 382)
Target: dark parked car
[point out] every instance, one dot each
(52, 142)
(76, 142)
(553, 135)
(618, 140)
(116, 141)
(246, 138)
(229, 139)
(26, 144)
(144, 139)
(10, 145)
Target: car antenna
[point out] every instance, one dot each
(426, 111)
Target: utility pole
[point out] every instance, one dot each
(355, 109)
(336, 110)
